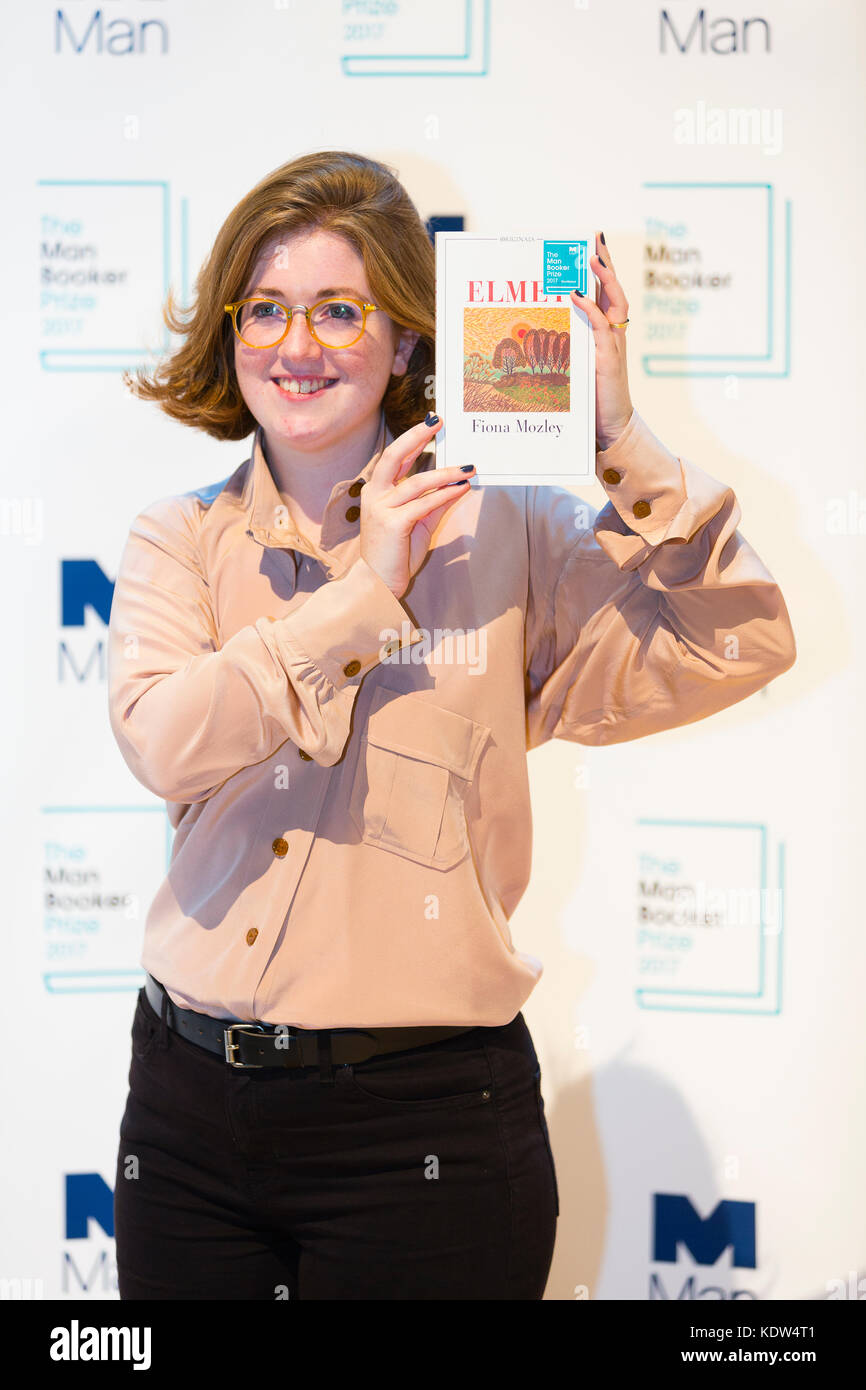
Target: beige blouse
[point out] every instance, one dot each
(346, 771)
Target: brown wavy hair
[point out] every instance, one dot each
(340, 192)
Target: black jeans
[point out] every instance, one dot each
(423, 1174)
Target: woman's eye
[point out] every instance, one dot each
(266, 310)
(343, 311)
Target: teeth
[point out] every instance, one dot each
(302, 388)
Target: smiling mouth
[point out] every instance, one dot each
(304, 386)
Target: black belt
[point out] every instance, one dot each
(245, 1044)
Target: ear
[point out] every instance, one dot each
(403, 351)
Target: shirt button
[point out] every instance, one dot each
(308, 757)
(610, 475)
(353, 513)
(641, 509)
(355, 489)
(251, 935)
(280, 847)
(351, 668)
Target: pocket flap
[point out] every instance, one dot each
(407, 724)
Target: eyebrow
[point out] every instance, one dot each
(320, 294)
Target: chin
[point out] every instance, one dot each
(321, 431)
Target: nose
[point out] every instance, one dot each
(299, 339)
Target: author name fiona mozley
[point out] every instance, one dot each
(523, 425)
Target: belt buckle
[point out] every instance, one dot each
(232, 1046)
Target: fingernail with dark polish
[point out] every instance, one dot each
(467, 468)
(603, 242)
(431, 419)
(580, 294)
(458, 482)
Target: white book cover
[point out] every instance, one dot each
(515, 358)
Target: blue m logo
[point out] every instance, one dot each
(84, 584)
(705, 1237)
(88, 1197)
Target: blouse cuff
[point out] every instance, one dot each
(654, 496)
(347, 626)
(642, 479)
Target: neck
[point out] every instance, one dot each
(308, 478)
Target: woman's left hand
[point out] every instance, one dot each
(613, 405)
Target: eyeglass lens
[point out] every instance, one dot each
(262, 322)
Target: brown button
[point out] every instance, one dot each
(641, 509)
(353, 513)
(280, 847)
(355, 489)
(251, 935)
(610, 475)
(308, 757)
(351, 668)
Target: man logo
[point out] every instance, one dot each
(729, 1226)
(705, 1237)
(88, 1266)
(84, 588)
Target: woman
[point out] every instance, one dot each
(331, 666)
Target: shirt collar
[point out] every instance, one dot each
(270, 520)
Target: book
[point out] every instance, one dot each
(515, 358)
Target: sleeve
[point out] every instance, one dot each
(652, 612)
(188, 712)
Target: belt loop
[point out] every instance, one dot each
(163, 1020)
(323, 1038)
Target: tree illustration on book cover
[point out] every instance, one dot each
(516, 360)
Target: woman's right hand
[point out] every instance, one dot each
(400, 514)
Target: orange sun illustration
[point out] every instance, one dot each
(519, 330)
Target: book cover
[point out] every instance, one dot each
(515, 358)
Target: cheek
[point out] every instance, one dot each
(373, 370)
(251, 371)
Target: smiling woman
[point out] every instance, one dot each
(313, 370)
(332, 998)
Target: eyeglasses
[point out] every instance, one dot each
(264, 323)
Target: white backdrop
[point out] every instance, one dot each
(696, 896)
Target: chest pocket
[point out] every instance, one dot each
(415, 765)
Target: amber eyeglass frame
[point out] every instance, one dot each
(232, 309)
